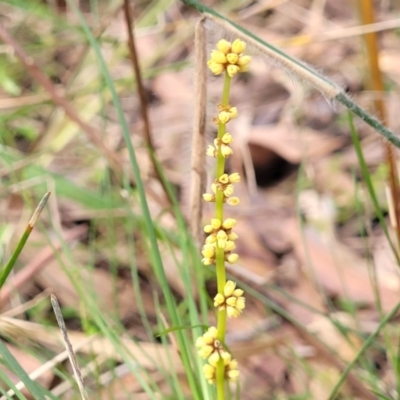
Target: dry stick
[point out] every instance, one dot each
(68, 347)
(142, 96)
(376, 84)
(94, 135)
(198, 175)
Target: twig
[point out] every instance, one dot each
(142, 95)
(68, 346)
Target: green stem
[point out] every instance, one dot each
(220, 254)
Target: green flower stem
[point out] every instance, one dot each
(220, 254)
(220, 380)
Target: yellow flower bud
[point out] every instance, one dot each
(221, 235)
(238, 292)
(232, 258)
(214, 187)
(226, 150)
(238, 46)
(232, 58)
(209, 372)
(224, 46)
(221, 243)
(228, 191)
(229, 246)
(231, 69)
(218, 57)
(233, 112)
(229, 223)
(223, 117)
(208, 228)
(215, 68)
(244, 61)
(233, 375)
(229, 288)
(231, 301)
(207, 261)
(208, 197)
(233, 236)
(208, 251)
(240, 303)
(219, 300)
(216, 223)
(233, 201)
(223, 179)
(227, 138)
(211, 151)
(213, 359)
(226, 357)
(234, 178)
(211, 239)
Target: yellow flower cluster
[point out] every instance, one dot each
(228, 57)
(231, 300)
(211, 349)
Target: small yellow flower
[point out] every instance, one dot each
(234, 178)
(223, 179)
(233, 112)
(215, 68)
(238, 46)
(208, 250)
(227, 138)
(226, 151)
(218, 57)
(232, 70)
(232, 258)
(243, 60)
(211, 151)
(233, 236)
(233, 201)
(231, 300)
(228, 191)
(224, 46)
(208, 197)
(229, 246)
(223, 117)
(229, 223)
(232, 58)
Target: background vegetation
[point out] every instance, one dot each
(317, 219)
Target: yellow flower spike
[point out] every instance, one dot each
(224, 46)
(215, 68)
(224, 117)
(227, 138)
(238, 46)
(232, 58)
(229, 223)
(234, 178)
(223, 179)
(208, 197)
(218, 57)
(226, 151)
(216, 223)
(232, 258)
(233, 201)
(229, 288)
(232, 70)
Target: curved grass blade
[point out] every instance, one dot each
(5, 272)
